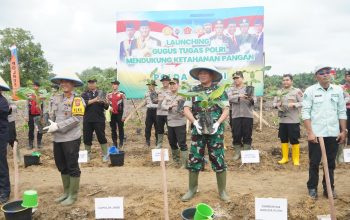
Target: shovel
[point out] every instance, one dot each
(328, 182)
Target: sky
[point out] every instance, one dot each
(76, 35)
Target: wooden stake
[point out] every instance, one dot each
(16, 189)
(165, 189)
(328, 182)
(135, 110)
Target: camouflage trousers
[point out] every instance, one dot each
(215, 144)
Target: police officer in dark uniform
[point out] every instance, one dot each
(94, 118)
(5, 187)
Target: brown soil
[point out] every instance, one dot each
(139, 181)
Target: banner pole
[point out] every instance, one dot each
(261, 110)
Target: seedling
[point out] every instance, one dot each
(207, 102)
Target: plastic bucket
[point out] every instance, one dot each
(113, 150)
(30, 199)
(188, 214)
(117, 159)
(203, 211)
(31, 160)
(15, 211)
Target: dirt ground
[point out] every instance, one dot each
(139, 181)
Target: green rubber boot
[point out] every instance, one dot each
(88, 149)
(237, 154)
(221, 181)
(247, 147)
(193, 186)
(104, 152)
(184, 158)
(160, 141)
(73, 191)
(176, 156)
(65, 181)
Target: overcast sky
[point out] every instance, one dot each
(79, 34)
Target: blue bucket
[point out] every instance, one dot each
(113, 150)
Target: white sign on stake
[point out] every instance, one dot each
(83, 156)
(156, 153)
(324, 217)
(250, 156)
(346, 155)
(270, 209)
(112, 207)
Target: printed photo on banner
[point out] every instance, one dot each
(175, 41)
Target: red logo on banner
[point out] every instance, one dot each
(187, 30)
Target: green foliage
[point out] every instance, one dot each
(32, 63)
(104, 78)
(277, 93)
(252, 74)
(207, 101)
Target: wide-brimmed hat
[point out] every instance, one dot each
(217, 76)
(151, 82)
(321, 67)
(67, 76)
(3, 85)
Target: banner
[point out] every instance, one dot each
(14, 70)
(176, 41)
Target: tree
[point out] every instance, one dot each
(32, 63)
(104, 77)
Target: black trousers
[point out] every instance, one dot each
(12, 133)
(151, 120)
(88, 130)
(315, 156)
(177, 137)
(5, 187)
(348, 124)
(162, 120)
(116, 121)
(289, 133)
(242, 129)
(31, 129)
(66, 157)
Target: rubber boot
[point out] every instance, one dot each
(160, 141)
(88, 149)
(285, 149)
(65, 181)
(295, 154)
(30, 145)
(184, 158)
(104, 152)
(247, 147)
(237, 154)
(176, 156)
(221, 181)
(192, 185)
(340, 154)
(73, 191)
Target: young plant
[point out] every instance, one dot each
(252, 78)
(207, 101)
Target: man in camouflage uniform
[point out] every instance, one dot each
(288, 111)
(151, 113)
(208, 76)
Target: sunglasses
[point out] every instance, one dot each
(323, 72)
